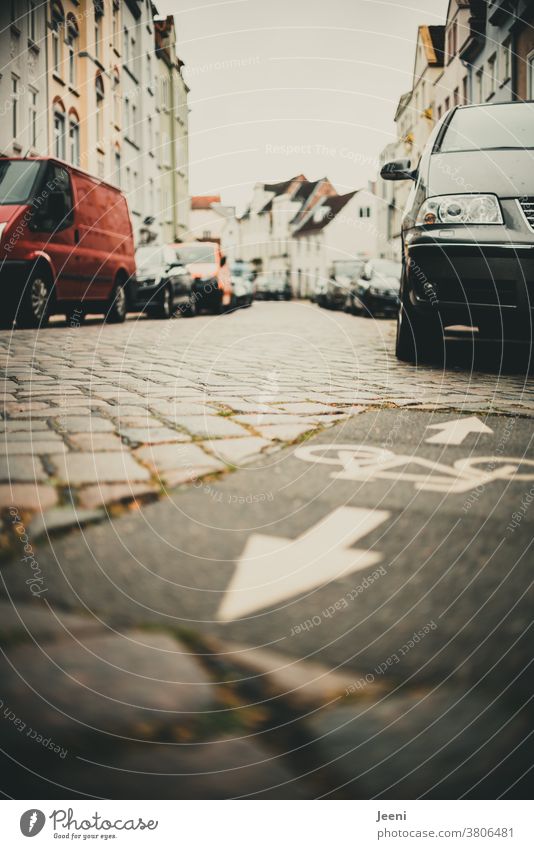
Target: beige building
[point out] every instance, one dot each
(172, 118)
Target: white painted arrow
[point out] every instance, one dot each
(454, 432)
(273, 569)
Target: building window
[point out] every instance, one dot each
(530, 76)
(118, 168)
(115, 26)
(439, 113)
(59, 132)
(58, 19)
(14, 106)
(465, 90)
(492, 76)
(506, 59)
(99, 91)
(100, 166)
(125, 46)
(74, 140)
(456, 96)
(150, 133)
(32, 22)
(447, 104)
(149, 71)
(135, 128)
(116, 82)
(479, 94)
(452, 35)
(72, 47)
(33, 118)
(365, 212)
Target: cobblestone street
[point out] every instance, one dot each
(146, 467)
(101, 414)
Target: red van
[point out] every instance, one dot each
(66, 243)
(212, 285)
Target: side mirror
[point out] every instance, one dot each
(399, 169)
(223, 261)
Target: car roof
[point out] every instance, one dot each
(491, 105)
(63, 164)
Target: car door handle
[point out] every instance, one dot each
(76, 236)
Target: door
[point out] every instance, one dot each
(53, 224)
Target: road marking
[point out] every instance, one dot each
(369, 463)
(455, 431)
(273, 569)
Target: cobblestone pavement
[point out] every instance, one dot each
(103, 414)
(117, 680)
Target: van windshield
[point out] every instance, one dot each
(506, 126)
(17, 180)
(195, 253)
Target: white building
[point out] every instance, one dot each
(23, 94)
(338, 227)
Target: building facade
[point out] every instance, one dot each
(23, 80)
(171, 115)
(98, 83)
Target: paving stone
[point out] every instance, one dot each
(22, 621)
(236, 451)
(307, 409)
(276, 419)
(96, 442)
(207, 425)
(20, 468)
(27, 496)
(302, 683)
(285, 433)
(86, 424)
(153, 435)
(51, 412)
(46, 435)
(36, 446)
(106, 467)
(173, 410)
(186, 458)
(99, 494)
(116, 684)
(21, 426)
(431, 743)
(61, 518)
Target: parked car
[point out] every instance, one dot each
(161, 283)
(66, 243)
(242, 280)
(333, 295)
(377, 290)
(271, 287)
(212, 286)
(468, 229)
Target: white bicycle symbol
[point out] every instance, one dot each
(367, 463)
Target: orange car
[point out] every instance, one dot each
(212, 286)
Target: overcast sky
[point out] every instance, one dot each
(281, 87)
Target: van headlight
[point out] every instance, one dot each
(2, 228)
(460, 209)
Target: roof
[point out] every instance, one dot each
(279, 189)
(204, 201)
(403, 103)
(436, 35)
(329, 208)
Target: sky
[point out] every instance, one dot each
(283, 87)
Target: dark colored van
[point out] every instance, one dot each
(468, 229)
(66, 244)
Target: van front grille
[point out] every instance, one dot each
(527, 205)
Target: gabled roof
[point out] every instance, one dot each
(278, 189)
(204, 201)
(323, 213)
(403, 103)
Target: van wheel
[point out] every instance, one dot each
(35, 302)
(117, 304)
(419, 338)
(165, 306)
